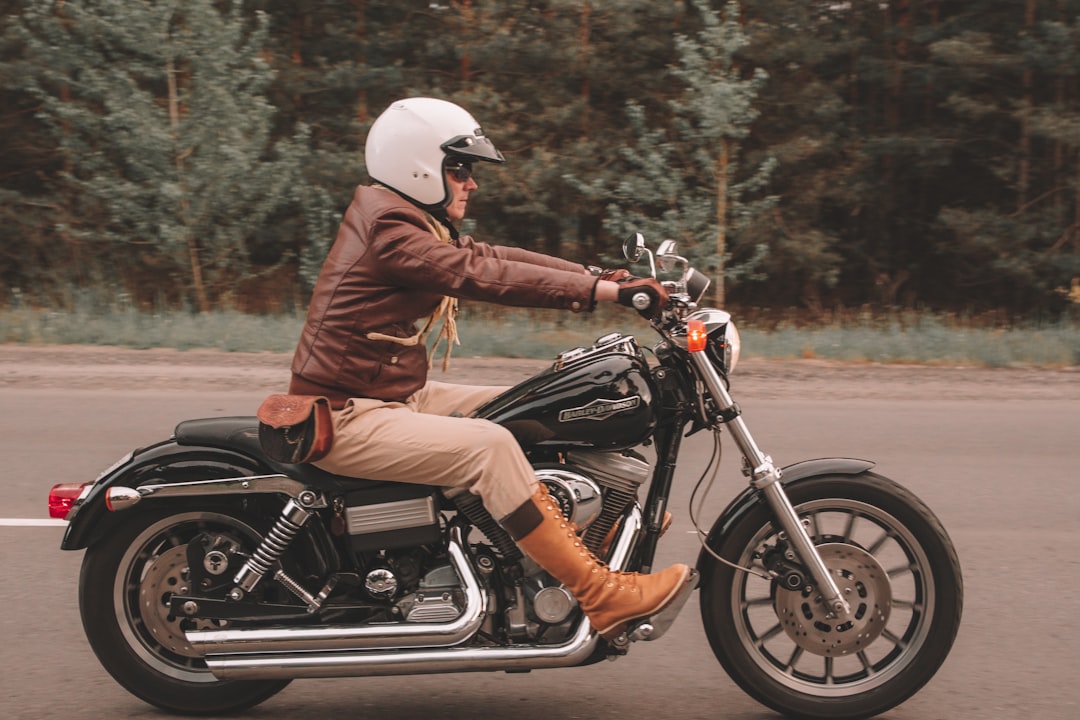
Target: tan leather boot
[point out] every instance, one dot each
(609, 598)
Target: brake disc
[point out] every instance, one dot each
(862, 582)
(166, 576)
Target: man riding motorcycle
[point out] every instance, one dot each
(398, 259)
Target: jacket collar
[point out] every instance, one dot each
(439, 215)
(445, 222)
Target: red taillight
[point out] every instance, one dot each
(62, 498)
(696, 337)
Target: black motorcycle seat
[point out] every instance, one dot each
(242, 435)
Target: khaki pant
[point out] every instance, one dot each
(417, 442)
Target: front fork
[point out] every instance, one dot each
(765, 476)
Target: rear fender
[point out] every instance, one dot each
(745, 501)
(165, 462)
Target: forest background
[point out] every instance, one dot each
(821, 160)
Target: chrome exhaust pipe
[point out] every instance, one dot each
(240, 661)
(406, 662)
(358, 637)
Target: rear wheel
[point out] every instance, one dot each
(125, 587)
(894, 564)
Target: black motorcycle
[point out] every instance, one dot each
(214, 575)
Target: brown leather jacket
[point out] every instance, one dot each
(387, 270)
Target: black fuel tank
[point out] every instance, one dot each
(601, 397)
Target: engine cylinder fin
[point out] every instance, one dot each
(615, 503)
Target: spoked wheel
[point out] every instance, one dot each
(125, 588)
(895, 565)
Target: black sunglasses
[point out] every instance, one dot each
(461, 171)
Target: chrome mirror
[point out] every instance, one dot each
(634, 247)
(669, 259)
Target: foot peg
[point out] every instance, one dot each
(653, 628)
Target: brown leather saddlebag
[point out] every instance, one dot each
(295, 428)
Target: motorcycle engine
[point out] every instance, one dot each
(438, 599)
(594, 487)
(579, 497)
(423, 588)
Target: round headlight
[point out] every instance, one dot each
(724, 344)
(734, 346)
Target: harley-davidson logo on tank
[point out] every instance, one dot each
(599, 409)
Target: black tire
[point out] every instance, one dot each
(888, 550)
(124, 589)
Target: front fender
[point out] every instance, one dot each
(749, 498)
(164, 462)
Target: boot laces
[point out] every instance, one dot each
(617, 579)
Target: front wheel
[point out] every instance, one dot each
(125, 587)
(895, 565)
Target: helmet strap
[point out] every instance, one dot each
(438, 213)
(444, 220)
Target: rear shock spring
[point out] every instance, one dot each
(273, 546)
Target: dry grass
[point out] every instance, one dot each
(504, 332)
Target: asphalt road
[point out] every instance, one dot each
(994, 453)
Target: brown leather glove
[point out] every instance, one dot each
(615, 275)
(612, 275)
(634, 291)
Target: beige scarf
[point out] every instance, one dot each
(447, 311)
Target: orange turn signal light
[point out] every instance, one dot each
(696, 337)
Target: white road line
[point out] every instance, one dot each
(30, 522)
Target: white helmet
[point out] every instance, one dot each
(408, 145)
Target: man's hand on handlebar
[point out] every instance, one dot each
(606, 274)
(646, 295)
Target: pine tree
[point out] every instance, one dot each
(682, 179)
(159, 111)
(1013, 235)
(806, 125)
(928, 151)
(549, 82)
(34, 262)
